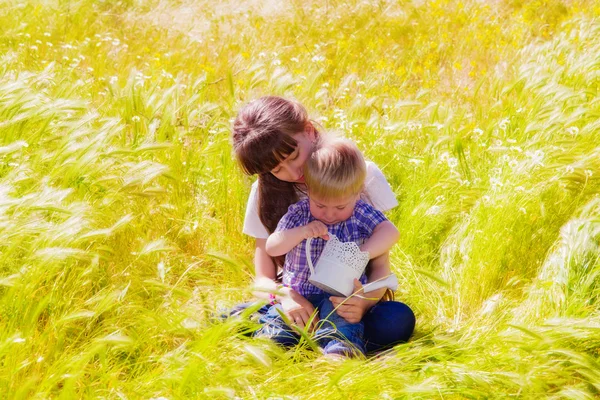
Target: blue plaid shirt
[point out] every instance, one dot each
(357, 228)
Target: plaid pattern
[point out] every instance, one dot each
(357, 228)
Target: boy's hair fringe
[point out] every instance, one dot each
(335, 169)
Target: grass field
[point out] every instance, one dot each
(121, 206)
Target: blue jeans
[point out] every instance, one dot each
(330, 327)
(385, 324)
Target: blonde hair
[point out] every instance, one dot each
(335, 169)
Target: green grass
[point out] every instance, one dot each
(121, 206)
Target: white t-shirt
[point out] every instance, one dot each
(377, 189)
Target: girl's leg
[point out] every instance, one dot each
(386, 324)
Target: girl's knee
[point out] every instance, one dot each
(390, 322)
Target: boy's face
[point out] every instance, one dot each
(332, 211)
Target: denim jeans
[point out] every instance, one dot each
(330, 326)
(385, 324)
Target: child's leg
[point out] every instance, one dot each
(386, 324)
(274, 328)
(336, 335)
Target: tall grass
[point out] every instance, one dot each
(121, 206)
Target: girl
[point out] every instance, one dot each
(273, 137)
(334, 175)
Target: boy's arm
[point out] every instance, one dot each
(384, 236)
(280, 242)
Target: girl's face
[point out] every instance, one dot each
(332, 211)
(290, 169)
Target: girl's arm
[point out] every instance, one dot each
(265, 271)
(384, 236)
(279, 243)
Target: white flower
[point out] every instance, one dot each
(504, 123)
(294, 59)
(573, 130)
(536, 157)
(588, 173)
(452, 162)
(318, 58)
(276, 62)
(569, 169)
(135, 118)
(495, 183)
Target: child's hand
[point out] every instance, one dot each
(299, 310)
(316, 229)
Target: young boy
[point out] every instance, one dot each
(334, 175)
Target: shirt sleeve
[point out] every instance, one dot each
(297, 215)
(253, 226)
(368, 217)
(378, 190)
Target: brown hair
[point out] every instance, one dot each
(335, 169)
(262, 138)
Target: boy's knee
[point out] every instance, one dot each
(326, 310)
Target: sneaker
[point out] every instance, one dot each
(340, 348)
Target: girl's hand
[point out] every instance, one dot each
(354, 307)
(316, 229)
(298, 310)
